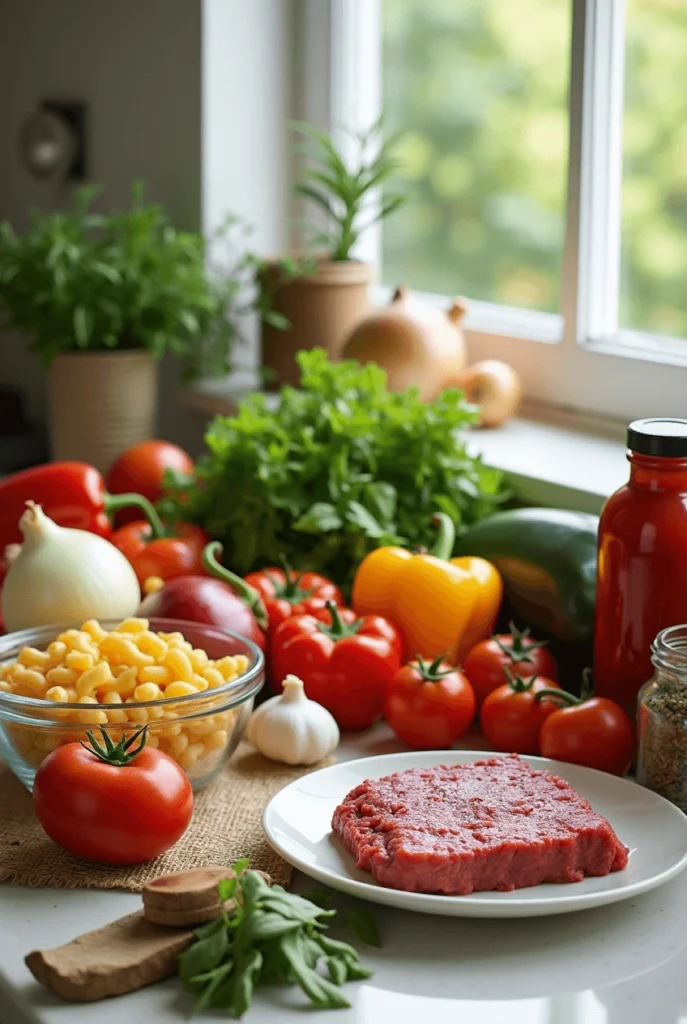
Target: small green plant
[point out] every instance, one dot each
(346, 192)
(80, 281)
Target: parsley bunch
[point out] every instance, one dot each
(341, 466)
(271, 937)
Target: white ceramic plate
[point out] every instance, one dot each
(297, 822)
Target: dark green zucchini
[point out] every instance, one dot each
(547, 558)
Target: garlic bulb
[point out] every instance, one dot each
(62, 575)
(291, 728)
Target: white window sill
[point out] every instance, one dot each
(550, 457)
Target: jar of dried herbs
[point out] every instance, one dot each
(662, 719)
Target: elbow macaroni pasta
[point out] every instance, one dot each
(91, 667)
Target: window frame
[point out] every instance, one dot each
(583, 361)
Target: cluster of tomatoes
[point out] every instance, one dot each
(511, 682)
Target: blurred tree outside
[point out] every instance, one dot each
(653, 295)
(481, 88)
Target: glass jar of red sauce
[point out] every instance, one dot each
(642, 571)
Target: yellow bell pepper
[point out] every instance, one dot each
(441, 605)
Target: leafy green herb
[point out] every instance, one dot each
(360, 920)
(341, 189)
(81, 281)
(339, 468)
(270, 937)
(362, 923)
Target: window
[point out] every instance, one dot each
(484, 162)
(546, 166)
(653, 269)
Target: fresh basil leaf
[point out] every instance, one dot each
(318, 990)
(295, 907)
(336, 948)
(211, 982)
(203, 955)
(358, 515)
(227, 888)
(356, 971)
(242, 983)
(363, 925)
(381, 498)
(321, 897)
(240, 865)
(254, 887)
(216, 925)
(319, 518)
(264, 925)
(337, 970)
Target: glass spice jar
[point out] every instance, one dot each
(662, 719)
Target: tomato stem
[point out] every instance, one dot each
(432, 673)
(290, 590)
(519, 651)
(117, 754)
(339, 629)
(443, 545)
(567, 698)
(516, 682)
(249, 595)
(113, 502)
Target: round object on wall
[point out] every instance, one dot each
(48, 144)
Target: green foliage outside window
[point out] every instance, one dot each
(482, 92)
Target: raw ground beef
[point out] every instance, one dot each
(495, 824)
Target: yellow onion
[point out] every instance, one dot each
(493, 386)
(414, 342)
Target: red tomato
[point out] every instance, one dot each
(516, 651)
(177, 554)
(512, 717)
(286, 592)
(140, 470)
(429, 707)
(109, 813)
(594, 732)
(345, 662)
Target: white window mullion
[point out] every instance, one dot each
(356, 90)
(341, 58)
(597, 88)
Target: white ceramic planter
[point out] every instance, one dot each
(100, 404)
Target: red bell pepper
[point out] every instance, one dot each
(70, 493)
(176, 551)
(286, 592)
(346, 663)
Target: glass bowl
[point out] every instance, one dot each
(200, 731)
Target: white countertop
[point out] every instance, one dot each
(621, 964)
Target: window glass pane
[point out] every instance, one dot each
(482, 91)
(653, 276)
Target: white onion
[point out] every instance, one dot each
(63, 575)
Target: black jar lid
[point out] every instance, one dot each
(664, 437)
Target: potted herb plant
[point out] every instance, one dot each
(314, 301)
(102, 298)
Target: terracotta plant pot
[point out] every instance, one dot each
(321, 308)
(100, 404)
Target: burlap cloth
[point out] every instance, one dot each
(226, 826)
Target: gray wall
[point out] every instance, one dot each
(190, 96)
